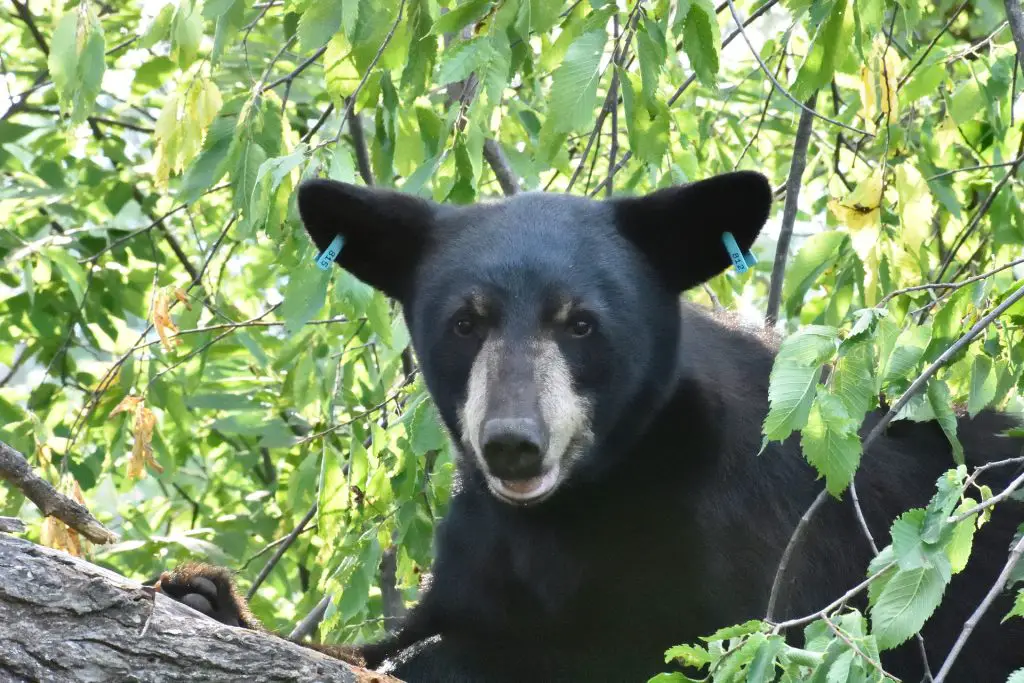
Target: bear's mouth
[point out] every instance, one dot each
(525, 491)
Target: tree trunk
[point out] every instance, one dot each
(64, 619)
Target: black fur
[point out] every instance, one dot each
(672, 525)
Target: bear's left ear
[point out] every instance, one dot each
(384, 232)
(680, 228)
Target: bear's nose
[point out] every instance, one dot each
(512, 448)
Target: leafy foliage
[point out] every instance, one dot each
(153, 263)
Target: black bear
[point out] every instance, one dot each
(611, 501)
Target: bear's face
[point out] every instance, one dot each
(540, 321)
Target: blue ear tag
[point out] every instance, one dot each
(325, 259)
(741, 261)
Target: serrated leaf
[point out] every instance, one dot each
(652, 53)
(817, 254)
(304, 296)
(690, 655)
(73, 273)
(1018, 675)
(321, 20)
(460, 16)
(942, 405)
(702, 40)
(76, 61)
(909, 348)
(907, 601)
(762, 667)
(947, 493)
(983, 384)
(794, 376)
(647, 129)
(962, 539)
(830, 442)
(422, 49)
(1017, 611)
(574, 83)
(907, 544)
(186, 33)
(744, 629)
(827, 50)
(425, 432)
(852, 380)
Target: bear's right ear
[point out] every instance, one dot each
(385, 232)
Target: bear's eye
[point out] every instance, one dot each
(580, 327)
(463, 326)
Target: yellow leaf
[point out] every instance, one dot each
(915, 204)
(889, 66)
(867, 95)
(142, 450)
(861, 207)
(165, 327)
(55, 534)
(182, 296)
(129, 404)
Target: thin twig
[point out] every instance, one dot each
(787, 554)
(982, 210)
(949, 285)
(768, 73)
(281, 549)
(993, 593)
(845, 597)
(796, 174)
(369, 69)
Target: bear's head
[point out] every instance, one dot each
(546, 326)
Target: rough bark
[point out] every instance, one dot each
(64, 619)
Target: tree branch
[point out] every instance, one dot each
(1015, 17)
(796, 174)
(989, 598)
(495, 157)
(15, 469)
(63, 616)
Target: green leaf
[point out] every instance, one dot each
(907, 544)
(456, 19)
(852, 380)
(909, 348)
(304, 296)
(71, 271)
(321, 20)
(1018, 675)
(186, 33)
(817, 254)
(794, 376)
(907, 601)
(962, 539)
(1017, 611)
(425, 432)
(212, 162)
(827, 50)
(652, 53)
(422, 49)
(831, 443)
(942, 404)
(76, 61)
(574, 83)
(647, 129)
(702, 40)
(762, 668)
(983, 385)
(690, 655)
(940, 507)
(744, 629)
